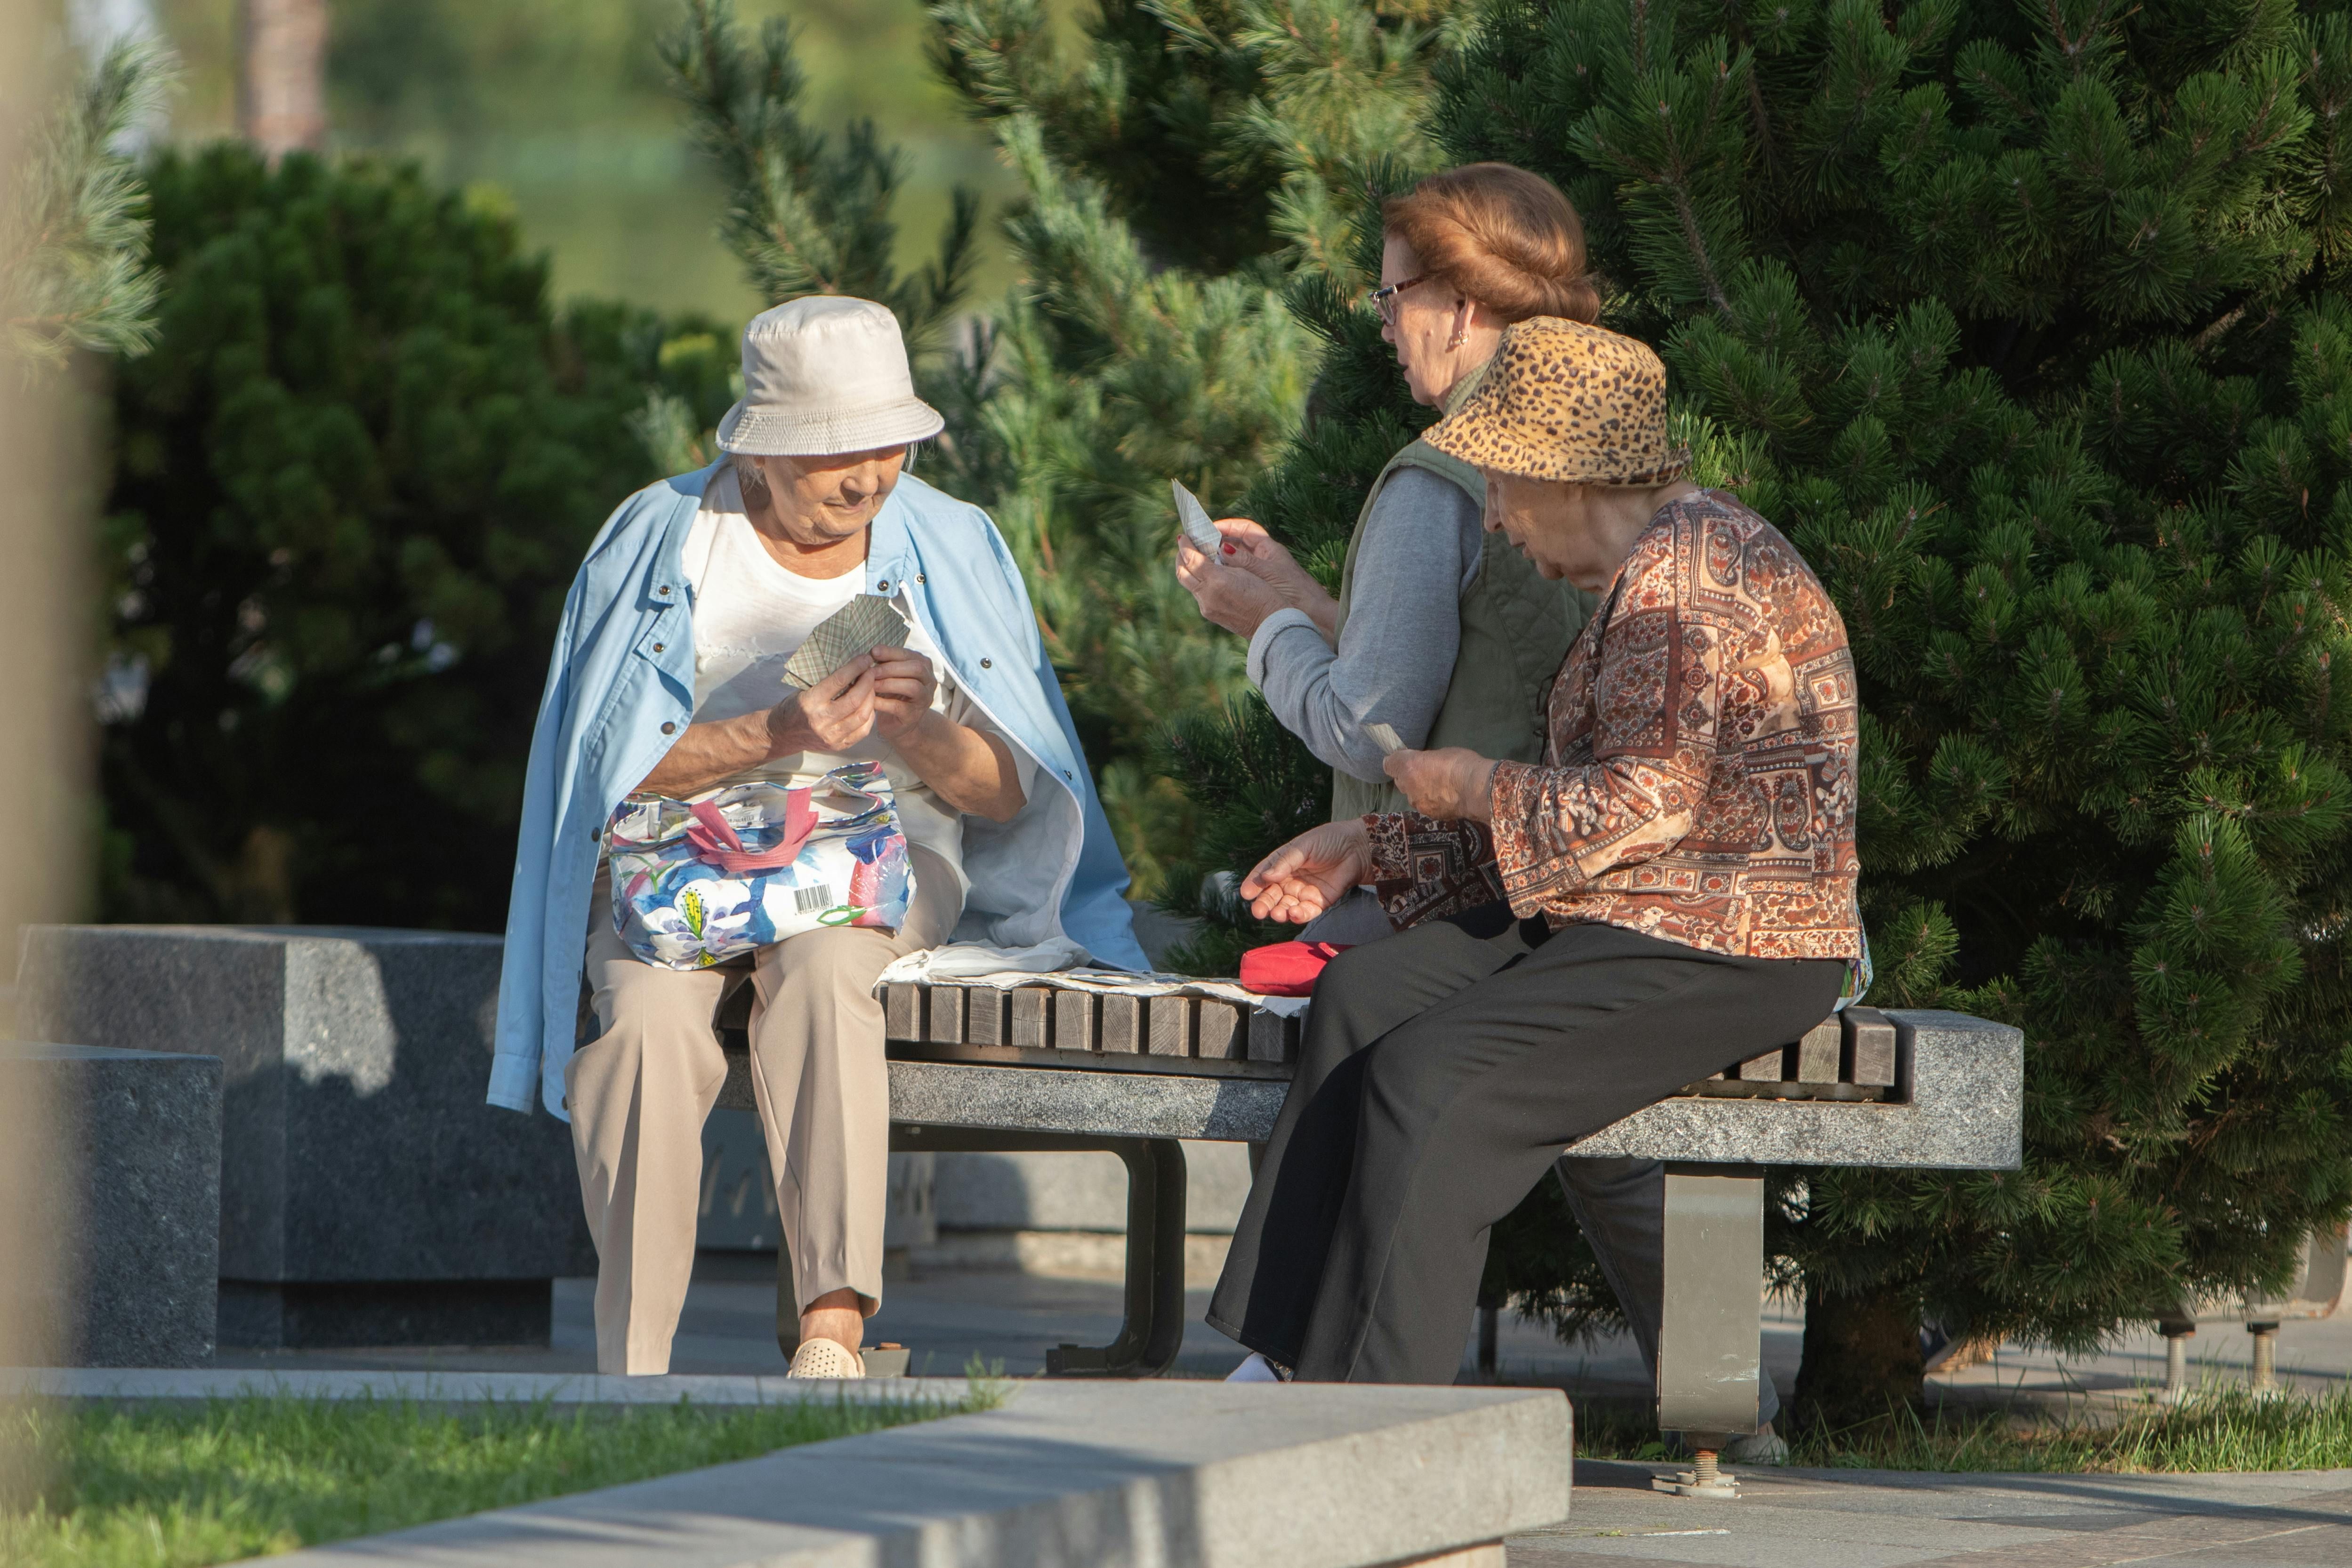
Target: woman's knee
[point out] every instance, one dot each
(1350, 1004)
(1365, 992)
(635, 1000)
(1412, 1078)
(1349, 971)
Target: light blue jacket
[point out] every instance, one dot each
(620, 689)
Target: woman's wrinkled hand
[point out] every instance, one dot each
(1235, 598)
(834, 715)
(904, 686)
(1310, 873)
(1254, 550)
(1446, 785)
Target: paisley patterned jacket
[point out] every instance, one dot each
(1698, 783)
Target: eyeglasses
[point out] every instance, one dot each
(1384, 298)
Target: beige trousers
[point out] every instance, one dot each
(640, 1091)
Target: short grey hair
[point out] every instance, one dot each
(747, 472)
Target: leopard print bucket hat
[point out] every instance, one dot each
(1564, 400)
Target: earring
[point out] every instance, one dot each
(1456, 341)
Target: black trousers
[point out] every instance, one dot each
(1440, 1074)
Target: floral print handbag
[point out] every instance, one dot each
(696, 882)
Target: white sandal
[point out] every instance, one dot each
(823, 1357)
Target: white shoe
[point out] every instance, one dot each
(823, 1357)
(1255, 1368)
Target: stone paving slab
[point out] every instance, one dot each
(1883, 1518)
(1070, 1475)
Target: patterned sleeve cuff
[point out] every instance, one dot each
(1513, 793)
(1392, 845)
(1423, 869)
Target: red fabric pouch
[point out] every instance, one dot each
(1286, 968)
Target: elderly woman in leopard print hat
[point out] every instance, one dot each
(1668, 892)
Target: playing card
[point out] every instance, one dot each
(863, 624)
(1195, 517)
(1385, 737)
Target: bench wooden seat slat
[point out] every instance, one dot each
(1273, 1038)
(1122, 1024)
(1029, 1031)
(1170, 1026)
(1820, 1052)
(1218, 1032)
(1872, 1053)
(1074, 1021)
(986, 1019)
(1853, 1056)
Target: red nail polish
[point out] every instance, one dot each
(1229, 550)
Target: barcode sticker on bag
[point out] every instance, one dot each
(814, 900)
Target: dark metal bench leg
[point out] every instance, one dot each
(1154, 1331)
(1710, 1341)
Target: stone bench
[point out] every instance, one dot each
(120, 1205)
(977, 1068)
(367, 1195)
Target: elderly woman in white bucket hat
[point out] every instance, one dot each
(666, 680)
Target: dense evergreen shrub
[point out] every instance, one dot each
(2028, 325)
(353, 481)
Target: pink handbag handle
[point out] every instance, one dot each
(716, 842)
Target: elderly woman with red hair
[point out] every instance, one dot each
(1441, 632)
(1444, 641)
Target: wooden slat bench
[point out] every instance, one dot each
(1040, 1068)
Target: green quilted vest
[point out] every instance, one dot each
(1515, 631)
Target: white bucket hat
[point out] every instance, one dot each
(825, 375)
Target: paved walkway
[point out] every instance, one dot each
(1788, 1519)
(1880, 1519)
(950, 1317)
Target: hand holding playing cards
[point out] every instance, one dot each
(1444, 784)
(904, 683)
(1255, 551)
(834, 715)
(1310, 873)
(1236, 600)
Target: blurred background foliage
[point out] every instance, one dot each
(559, 107)
(1090, 214)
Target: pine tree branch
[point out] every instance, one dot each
(803, 215)
(73, 224)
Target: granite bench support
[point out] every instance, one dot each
(119, 1209)
(367, 1195)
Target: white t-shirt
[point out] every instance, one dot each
(751, 614)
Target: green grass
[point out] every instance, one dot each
(2223, 1429)
(173, 1487)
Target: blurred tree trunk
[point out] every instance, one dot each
(282, 79)
(1861, 1357)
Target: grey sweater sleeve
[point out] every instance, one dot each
(1419, 550)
